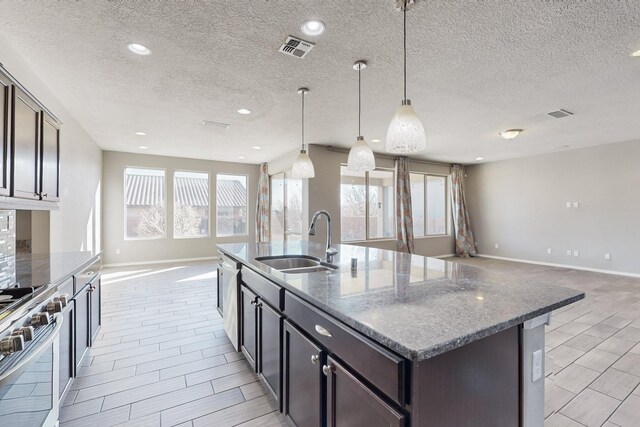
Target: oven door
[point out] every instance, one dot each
(29, 381)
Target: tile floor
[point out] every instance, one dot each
(162, 358)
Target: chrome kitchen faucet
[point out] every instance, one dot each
(312, 230)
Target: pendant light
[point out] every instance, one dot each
(302, 165)
(361, 157)
(405, 133)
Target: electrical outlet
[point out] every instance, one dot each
(536, 366)
(117, 251)
(568, 204)
(607, 256)
(576, 204)
(569, 252)
(497, 246)
(576, 253)
(549, 251)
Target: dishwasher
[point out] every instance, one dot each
(228, 297)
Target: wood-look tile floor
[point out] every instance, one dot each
(162, 357)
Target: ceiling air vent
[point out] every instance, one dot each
(296, 47)
(210, 123)
(560, 113)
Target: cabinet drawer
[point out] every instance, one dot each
(266, 289)
(380, 367)
(86, 275)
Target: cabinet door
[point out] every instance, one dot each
(345, 392)
(25, 128)
(269, 347)
(82, 301)
(95, 315)
(5, 131)
(302, 391)
(50, 160)
(67, 356)
(249, 326)
(220, 298)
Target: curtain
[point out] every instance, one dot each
(404, 220)
(465, 245)
(262, 206)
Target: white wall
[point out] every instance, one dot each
(521, 205)
(76, 225)
(140, 251)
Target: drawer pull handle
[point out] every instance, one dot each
(315, 358)
(323, 331)
(327, 369)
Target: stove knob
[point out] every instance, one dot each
(40, 319)
(11, 344)
(54, 307)
(63, 299)
(25, 332)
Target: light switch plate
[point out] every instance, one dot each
(497, 246)
(549, 251)
(576, 204)
(607, 256)
(568, 204)
(576, 253)
(536, 366)
(569, 252)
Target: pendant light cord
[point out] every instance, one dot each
(404, 14)
(359, 98)
(302, 120)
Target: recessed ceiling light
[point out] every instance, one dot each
(479, 158)
(139, 49)
(141, 134)
(241, 157)
(244, 111)
(375, 140)
(313, 27)
(510, 133)
(143, 147)
(255, 147)
(636, 53)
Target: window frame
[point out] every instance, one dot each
(246, 181)
(367, 219)
(174, 204)
(426, 201)
(165, 236)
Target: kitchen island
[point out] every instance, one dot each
(401, 340)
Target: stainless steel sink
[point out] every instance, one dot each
(296, 264)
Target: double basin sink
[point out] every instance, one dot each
(297, 264)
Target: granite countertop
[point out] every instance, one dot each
(44, 269)
(416, 306)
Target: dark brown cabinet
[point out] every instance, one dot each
(302, 391)
(5, 131)
(67, 337)
(25, 141)
(346, 392)
(269, 345)
(249, 325)
(49, 186)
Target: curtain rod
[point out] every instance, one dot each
(388, 156)
(25, 90)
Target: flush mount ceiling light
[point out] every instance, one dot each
(141, 134)
(244, 111)
(375, 141)
(361, 157)
(256, 147)
(479, 158)
(139, 49)
(511, 133)
(143, 147)
(405, 133)
(302, 165)
(312, 27)
(636, 54)
(241, 157)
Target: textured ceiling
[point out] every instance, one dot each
(475, 67)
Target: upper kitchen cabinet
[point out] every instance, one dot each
(5, 129)
(50, 159)
(25, 128)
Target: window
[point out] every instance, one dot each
(190, 204)
(231, 205)
(145, 207)
(429, 204)
(286, 207)
(367, 204)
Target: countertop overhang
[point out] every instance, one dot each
(417, 306)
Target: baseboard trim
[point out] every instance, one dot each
(443, 256)
(551, 264)
(162, 261)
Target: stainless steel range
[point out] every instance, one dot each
(30, 324)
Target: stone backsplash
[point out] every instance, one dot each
(7, 248)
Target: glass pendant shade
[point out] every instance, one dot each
(405, 133)
(361, 157)
(302, 166)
